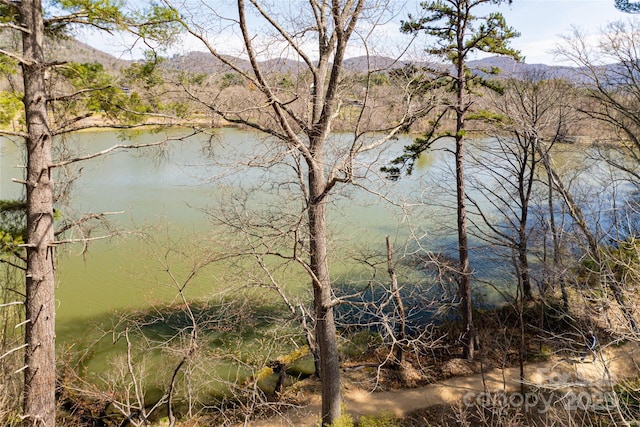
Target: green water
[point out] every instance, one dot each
(160, 194)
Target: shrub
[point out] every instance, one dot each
(383, 420)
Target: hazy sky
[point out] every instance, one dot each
(540, 22)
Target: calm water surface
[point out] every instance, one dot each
(168, 188)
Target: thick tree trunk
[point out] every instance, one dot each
(326, 333)
(39, 375)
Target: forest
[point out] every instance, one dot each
(271, 305)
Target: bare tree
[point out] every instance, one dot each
(608, 76)
(298, 118)
(532, 109)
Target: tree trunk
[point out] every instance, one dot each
(39, 375)
(592, 242)
(526, 177)
(464, 276)
(525, 275)
(402, 317)
(326, 333)
(557, 259)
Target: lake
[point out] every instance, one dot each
(164, 199)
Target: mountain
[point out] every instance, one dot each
(361, 64)
(201, 62)
(72, 50)
(204, 63)
(512, 68)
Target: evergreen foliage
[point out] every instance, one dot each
(457, 33)
(627, 6)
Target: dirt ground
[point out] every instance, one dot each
(615, 363)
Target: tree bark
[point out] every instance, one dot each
(464, 275)
(326, 332)
(402, 317)
(525, 275)
(526, 176)
(555, 236)
(39, 375)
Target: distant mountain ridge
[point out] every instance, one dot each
(205, 63)
(202, 62)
